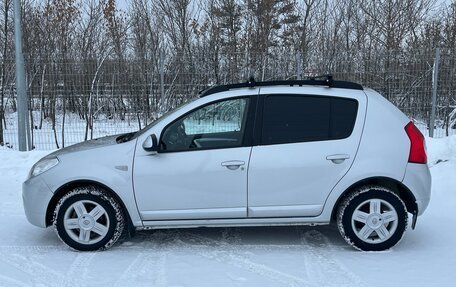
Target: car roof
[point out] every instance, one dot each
(326, 80)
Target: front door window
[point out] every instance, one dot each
(217, 125)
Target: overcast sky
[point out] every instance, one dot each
(122, 4)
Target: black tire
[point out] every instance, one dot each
(349, 227)
(113, 218)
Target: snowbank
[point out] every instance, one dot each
(441, 150)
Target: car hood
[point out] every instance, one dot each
(87, 145)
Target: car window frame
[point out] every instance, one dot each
(247, 136)
(259, 119)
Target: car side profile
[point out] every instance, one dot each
(308, 152)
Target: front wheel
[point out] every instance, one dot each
(372, 219)
(89, 219)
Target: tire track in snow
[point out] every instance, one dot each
(327, 269)
(11, 282)
(57, 248)
(150, 263)
(308, 267)
(155, 266)
(313, 267)
(81, 263)
(227, 253)
(39, 272)
(320, 265)
(347, 271)
(127, 276)
(31, 249)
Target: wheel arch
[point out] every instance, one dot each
(394, 185)
(67, 187)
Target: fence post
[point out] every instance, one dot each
(20, 79)
(298, 65)
(27, 129)
(162, 81)
(435, 77)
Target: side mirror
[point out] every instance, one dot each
(151, 144)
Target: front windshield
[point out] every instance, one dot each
(164, 116)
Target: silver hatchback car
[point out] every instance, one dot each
(253, 154)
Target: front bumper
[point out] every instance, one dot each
(36, 196)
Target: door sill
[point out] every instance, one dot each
(234, 222)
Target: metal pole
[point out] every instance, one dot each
(298, 65)
(435, 77)
(20, 79)
(162, 81)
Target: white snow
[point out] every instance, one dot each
(275, 256)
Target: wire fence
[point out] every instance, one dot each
(73, 100)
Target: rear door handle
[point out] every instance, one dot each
(338, 158)
(233, 164)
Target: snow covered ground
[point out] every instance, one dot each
(275, 256)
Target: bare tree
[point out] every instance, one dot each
(90, 59)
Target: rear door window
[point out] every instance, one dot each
(300, 118)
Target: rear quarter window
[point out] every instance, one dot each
(301, 118)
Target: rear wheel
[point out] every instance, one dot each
(89, 219)
(372, 219)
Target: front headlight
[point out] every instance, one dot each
(42, 166)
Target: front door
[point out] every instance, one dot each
(201, 168)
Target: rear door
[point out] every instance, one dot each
(307, 143)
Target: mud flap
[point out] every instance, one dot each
(414, 219)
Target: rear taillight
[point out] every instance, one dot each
(417, 144)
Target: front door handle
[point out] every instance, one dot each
(338, 158)
(233, 164)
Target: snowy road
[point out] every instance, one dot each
(274, 256)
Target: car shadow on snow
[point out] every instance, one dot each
(238, 237)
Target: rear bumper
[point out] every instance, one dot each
(418, 180)
(36, 196)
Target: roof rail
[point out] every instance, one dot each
(326, 80)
